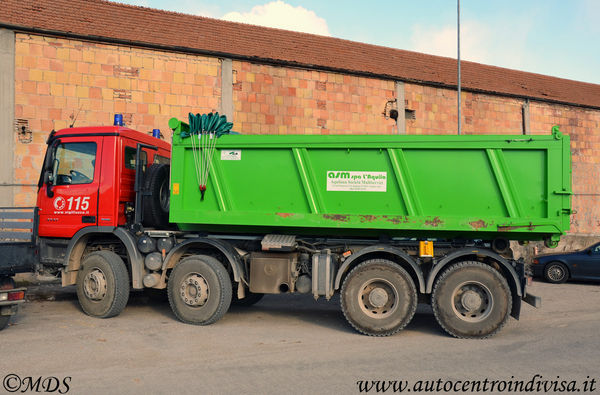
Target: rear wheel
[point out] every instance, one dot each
(471, 300)
(556, 273)
(103, 284)
(378, 298)
(199, 290)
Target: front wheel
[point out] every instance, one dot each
(378, 298)
(103, 284)
(471, 300)
(556, 273)
(199, 290)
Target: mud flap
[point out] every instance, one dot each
(533, 300)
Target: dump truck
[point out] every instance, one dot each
(385, 221)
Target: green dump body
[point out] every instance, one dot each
(468, 186)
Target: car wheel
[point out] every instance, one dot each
(556, 273)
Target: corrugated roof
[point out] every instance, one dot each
(140, 26)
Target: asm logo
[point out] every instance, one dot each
(338, 174)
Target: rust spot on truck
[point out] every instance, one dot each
(434, 222)
(508, 228)
(478, 224)
(285, 215)
(397, 219)
(368, 218)
(336, 217)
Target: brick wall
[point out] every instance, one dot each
(583, 126)
(435, 112)
(279, 100)
(56, 79)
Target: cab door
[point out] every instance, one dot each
(588, 263)
(68, 200)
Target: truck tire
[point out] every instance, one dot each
(199, 290)
(378, 298)
(249, 300)
(556, 273)
(471, 300)
(156, 196)
(103, 284)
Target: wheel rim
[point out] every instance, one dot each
(556, 273)
(94, 284)
(194, 290)
(378, 298)
(472, 301)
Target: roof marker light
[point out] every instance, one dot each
(118, 120)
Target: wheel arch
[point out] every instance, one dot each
(231, 255)
(385, 252)
(81, 239)
(505, 268)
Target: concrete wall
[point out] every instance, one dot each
(7, 108)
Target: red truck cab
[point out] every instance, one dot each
(89, 175)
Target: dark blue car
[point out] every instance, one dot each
(578, 265)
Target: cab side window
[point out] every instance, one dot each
(76, 163)
(163, 160)
(130, 158)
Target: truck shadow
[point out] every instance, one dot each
(323, 313)
(287, 307)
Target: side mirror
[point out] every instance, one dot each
(50, 178)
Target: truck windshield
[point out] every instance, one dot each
(76, 163)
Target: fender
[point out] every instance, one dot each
(470, 251)
(233, 257)
(79, 241)
(381, 248)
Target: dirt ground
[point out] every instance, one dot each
(290, 344)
